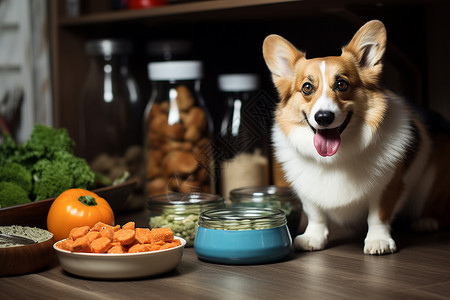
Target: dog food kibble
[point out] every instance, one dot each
(178, 154)
(103, 238)
(187, 227)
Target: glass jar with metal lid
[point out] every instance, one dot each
(180, 212)
(241, 235)
(270, 196)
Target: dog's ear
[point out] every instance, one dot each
(281, 58)
(368, 46)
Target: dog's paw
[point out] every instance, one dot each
(425, 225)
(380, 246)
(308, 243)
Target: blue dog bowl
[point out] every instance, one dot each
(242, 236)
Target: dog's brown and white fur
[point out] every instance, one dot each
(351, 150)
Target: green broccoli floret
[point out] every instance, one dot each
(47, 158)
(83, 176)
(52, 177)
(49, 139)
(8, 150)
(12, 194)
(15, 173)
(44, 142)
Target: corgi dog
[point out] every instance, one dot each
(355, 153)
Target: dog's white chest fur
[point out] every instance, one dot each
(329, 186)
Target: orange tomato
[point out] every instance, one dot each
(76, 208)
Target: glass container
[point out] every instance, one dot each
(243, 138)
(241, 235)
(178, 131)
(110, 107)
(270, 196)
(180, 212)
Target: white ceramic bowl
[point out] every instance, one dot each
(120, 266)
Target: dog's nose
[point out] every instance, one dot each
(324, 117)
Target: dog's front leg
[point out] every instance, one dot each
(378, 239)
(315, 236)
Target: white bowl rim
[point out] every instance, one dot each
(183, 244)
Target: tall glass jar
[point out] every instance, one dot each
(178, 131)
(110, 107)
(243, 139)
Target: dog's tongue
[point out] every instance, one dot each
(327, 141)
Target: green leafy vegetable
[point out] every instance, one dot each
(44, 166)
(12, 194)
(15, 173)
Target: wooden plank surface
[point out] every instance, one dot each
(420, 270)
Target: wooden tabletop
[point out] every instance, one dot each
(420, 270)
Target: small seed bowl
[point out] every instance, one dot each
(26, 259)
(243, 236)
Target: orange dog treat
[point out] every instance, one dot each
(143, 235)
(103, 238)
(78, 232)
(129, 225)
(81, 245)
(108, 232)
(154, 247)
(125, 236)
(161, 234)
(138, 248)
(118, 249)
(99, 226)
(59, 245)
(67, 244)
(101, 245)
(172, 244)
(160, 243)
(92, 235)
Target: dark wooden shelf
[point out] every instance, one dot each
(222, 29)
(169, 11)
(221, 9)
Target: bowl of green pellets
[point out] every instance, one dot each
(180, 212)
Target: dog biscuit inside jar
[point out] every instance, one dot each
(178, 131)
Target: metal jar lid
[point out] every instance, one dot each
(179, 203)
(109, 47)
(240, 218)
(194, 198)
(259, 194)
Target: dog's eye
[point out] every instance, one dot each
(341, 85)
(307, 88)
